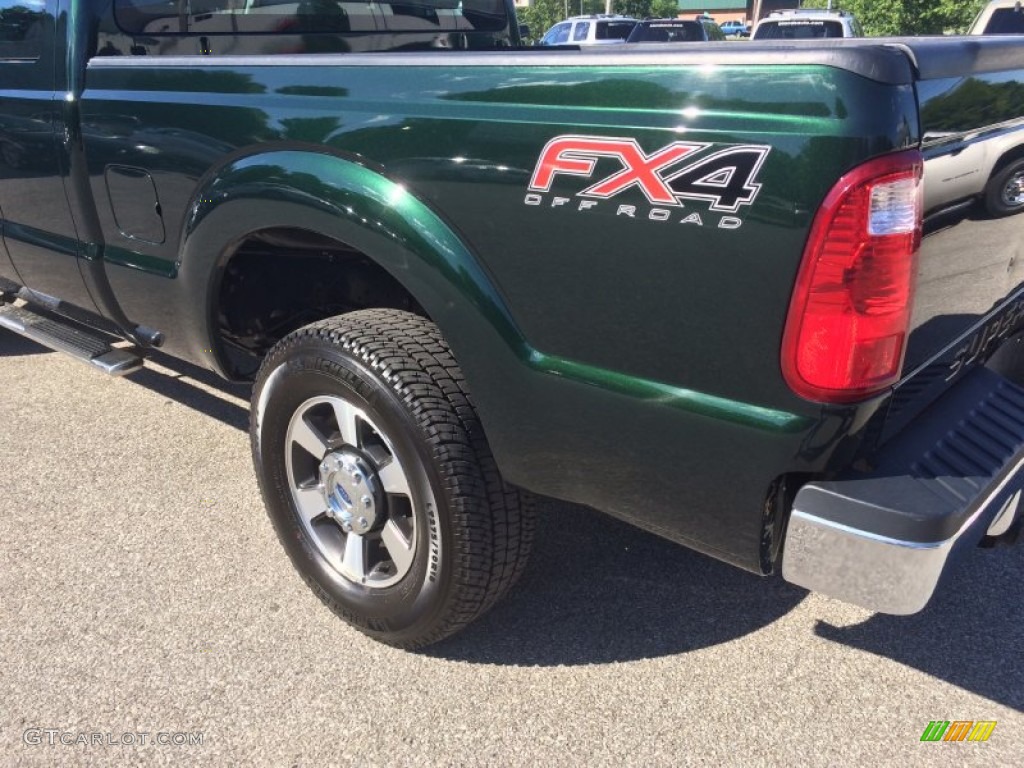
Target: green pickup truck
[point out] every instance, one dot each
(697, 286)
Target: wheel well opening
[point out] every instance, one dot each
(278, 280)
(1011, 156)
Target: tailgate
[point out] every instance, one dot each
(970, 289)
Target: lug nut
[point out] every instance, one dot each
(367, 501)
(363, 523)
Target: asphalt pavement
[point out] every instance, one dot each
(148, 616)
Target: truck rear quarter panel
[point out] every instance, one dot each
(642, 376)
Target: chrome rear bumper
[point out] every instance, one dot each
(884, 539)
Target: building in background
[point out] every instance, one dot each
(721, 10)
(734, 10)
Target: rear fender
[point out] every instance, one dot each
(340, 198)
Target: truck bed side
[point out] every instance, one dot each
(666, 325)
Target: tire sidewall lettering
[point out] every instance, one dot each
(319, 371)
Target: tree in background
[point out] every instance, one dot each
(544, 14)
(642, 9)
(883, 18)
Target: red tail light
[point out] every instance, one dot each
(846, 331)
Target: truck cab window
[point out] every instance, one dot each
(1006, 21)
(23, 26)
(558, 35)
(233, 17)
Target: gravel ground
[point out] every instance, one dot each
(144, 592)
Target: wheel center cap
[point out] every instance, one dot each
(350, 489)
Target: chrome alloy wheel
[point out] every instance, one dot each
(351, 491)
(378, 479)
(1013, 190)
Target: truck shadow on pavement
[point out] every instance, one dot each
(970, 635)
(182, 388)
(598, 591)
(13, 345)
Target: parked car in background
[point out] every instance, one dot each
(598, 29)
(735, 28)
(1000, 17)
(675, 31)
(962, 170)
(807, 24)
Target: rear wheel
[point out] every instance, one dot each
(379, 481)
(1004, 194)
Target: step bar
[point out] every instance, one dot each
(69, 338)
(885, 537)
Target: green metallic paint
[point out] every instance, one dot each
(361, 196)
(122, 257)
(50, 242)
(629, 364)
(746, 414)
(364, 208)
(41, 236)
(582, 361)
(73, 43)
(465, 142)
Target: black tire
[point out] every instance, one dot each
(476, 530)
(999, 198)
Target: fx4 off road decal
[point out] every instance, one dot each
(725, 178)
